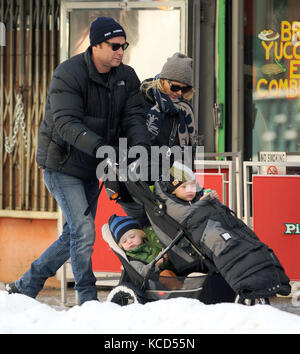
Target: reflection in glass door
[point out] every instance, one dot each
(154, 32)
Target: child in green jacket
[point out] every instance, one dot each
(140, 245)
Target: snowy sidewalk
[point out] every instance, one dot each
(52, 297)
(21, 314)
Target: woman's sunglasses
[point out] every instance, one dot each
(117, 46)
(176, 88)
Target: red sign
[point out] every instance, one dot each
(103, 258)
(276, 218)
(214, 181)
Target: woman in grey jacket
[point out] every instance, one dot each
(93, 100)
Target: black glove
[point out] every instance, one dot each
(117, 191)
(112, 189)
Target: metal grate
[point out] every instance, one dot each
(26, 64)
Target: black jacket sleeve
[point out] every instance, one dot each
(67, 108)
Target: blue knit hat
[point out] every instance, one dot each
(104, 28)
(118, 225)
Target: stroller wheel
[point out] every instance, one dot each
(123, 295)
(251, 302)
(263, 301)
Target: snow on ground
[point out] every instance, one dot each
(21, 314)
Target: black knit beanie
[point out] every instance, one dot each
(104, 28)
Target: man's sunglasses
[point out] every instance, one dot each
(117, 46)
(176, 88)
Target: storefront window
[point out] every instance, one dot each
(272, 76)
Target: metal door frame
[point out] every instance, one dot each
(237, 90)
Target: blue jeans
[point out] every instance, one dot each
(76, 241)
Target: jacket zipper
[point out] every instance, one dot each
(110, 113)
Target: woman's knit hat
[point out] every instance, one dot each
(118, 225)
(104, 28)
(178, 68)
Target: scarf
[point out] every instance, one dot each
(180, 108)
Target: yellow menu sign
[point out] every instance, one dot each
(280, 80)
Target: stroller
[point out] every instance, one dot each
(200, 274)
(134, 288)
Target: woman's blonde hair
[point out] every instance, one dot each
(159, 84)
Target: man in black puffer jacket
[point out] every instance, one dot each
(93, 100)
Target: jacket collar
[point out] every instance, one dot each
(93, 72)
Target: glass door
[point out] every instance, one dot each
(155, 30)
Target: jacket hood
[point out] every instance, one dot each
(161, 189)
(148, 94)
(179, 209)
